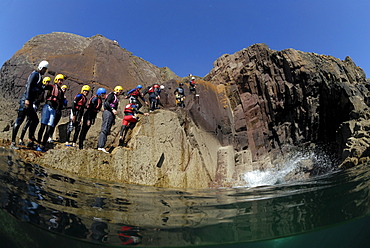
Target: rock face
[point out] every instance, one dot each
(291, 97)
(96, 61)
(255, 107)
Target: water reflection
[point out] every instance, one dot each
(120, 214)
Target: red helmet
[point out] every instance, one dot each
(156, 86)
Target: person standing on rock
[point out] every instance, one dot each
(180, 96)
(36, 105)
(77, 111)
(93, 107)
(34, 88)
(58, 114)
(192, 86)
(154, 96)
(134, 94)
(109, 115)
(53, 101)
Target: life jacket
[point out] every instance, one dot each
(81, 103)
(92, 107)
(113, 104)
(54, 94)
(134, 92)
(180, 91)
(151, 89)
(129, 109)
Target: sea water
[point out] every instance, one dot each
(42, 207)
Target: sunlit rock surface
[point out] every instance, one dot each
(255, 111)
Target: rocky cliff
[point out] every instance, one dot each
(97, 61)
(255, 107)
(292, 97)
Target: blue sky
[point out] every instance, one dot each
(189, 35)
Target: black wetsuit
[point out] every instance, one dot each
(33, 90)
(92, 109)
(110, 103)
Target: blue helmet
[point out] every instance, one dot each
(133, 106)
(139, 86)
(101, 91)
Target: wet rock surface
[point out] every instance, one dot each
(253, 108)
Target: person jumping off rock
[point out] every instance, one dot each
(129, 118)
(180, 96)
(34, 88)
(77, 112)
(93, 107)
(109, 115)
(134, 94)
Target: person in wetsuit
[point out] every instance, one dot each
(58, 114)
(154, 96)
(93, 107)
(34, 88)
(180, 96)
(130, 117)
(192, 86)
(77, 111)
(36, 105)
(53, 101)
(134, 95)
(109, 115)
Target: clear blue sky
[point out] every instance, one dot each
(189, 35)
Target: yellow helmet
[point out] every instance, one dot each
(64, 86)
(46, 80)
(57, 77)
(118, 88)
(85, 87)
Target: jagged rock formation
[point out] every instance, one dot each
(96, 61)
(291, 97)
(255, 107)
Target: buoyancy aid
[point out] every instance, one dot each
(180, 91)
(54, 94)
(81, 102)
(134, 92)
(129, 109)
(92, 107)
(113, 104)
(151, 89)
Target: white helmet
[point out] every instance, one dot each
(43, 64)
(192, 77)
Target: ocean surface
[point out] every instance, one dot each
(42, 207)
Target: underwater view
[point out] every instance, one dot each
(42, 207)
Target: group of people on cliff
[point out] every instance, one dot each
(83, 112)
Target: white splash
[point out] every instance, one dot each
(278, 174)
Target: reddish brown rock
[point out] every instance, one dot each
(255, 107)
(96, 61)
